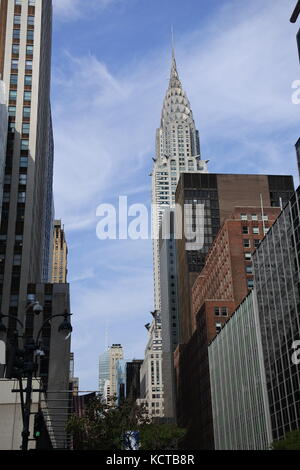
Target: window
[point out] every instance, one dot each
(31, 3)
(26, 112)
(29, 50)
(217, 311)
(246, 243)
(12, 111)
(265, 217)
(13, 79)
(245, 229)
(218, 327)
(224, 311)
(11, 126)
(28, 80)
(256, 242)
(243, 216)
(249, 269)
(25, 128)
(254, 217)
(30, 35)
(250, 283)
(18, 2)
(28, 65)
(266, 229)
(17, 260)
(21, 197)
(16, 34)
(22, 179)
(27, 95)
(12, 95)
(247, 255)
(14, 64)
(24, 144)
(255, 230)
(17, 19)
(15, 49)
(30, 20)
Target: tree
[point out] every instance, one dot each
(111, 427)
(290, 442)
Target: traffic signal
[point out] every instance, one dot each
(38, 425)
(15, 362)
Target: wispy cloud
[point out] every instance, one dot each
(237, 72)
(69, 10)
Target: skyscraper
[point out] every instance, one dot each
(60, 254)
(177, 150)
(25, 67)
(108, 372)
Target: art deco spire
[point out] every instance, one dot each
(176, 105)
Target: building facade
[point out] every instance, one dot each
(240, 406)
(133, 379)
(3, 136)
(25, 67)
(151, 385)
(177, 150)
(60, 254)
(108, 372)
(169, 308)
(276, 265)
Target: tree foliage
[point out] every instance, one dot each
(290, 442)
(106, 427)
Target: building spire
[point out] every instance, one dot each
(174, 77)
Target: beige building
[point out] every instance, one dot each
(60, 254)
(26, 223)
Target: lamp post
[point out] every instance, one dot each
(26, 366)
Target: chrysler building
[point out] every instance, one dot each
(177, 151)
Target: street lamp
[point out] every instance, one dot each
(21, 362)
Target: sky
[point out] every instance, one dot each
(110, 68)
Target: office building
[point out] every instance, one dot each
(133, 379)
(169, 308)
(218, 195)
(276, 264)
(151, 385)
(240, 406)
(25, 68)
(108, 372)
(177, 150)
(60, 254)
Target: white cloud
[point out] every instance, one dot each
(68, 10)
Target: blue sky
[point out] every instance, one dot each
(111, 61)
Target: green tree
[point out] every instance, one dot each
(106, 427)
(290, 442)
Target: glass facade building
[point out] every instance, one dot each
(277, 278)
(240, 407)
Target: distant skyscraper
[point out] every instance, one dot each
(177, 150)
(60, 254)
(25, 67)
(109, 373)
(133, 379)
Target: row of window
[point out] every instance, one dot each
(17, 34)
(14, 79)
(16, 49)
(31, 3)
(13, 95)
(253, 217)
(15, 65)
(255, 230)
(26, 111)
(30, 20)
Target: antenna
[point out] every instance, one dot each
(172, 40)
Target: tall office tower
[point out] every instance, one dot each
(108, 372)
(276, 265)
(177, 150)
(60, 254)
(25, 67)
(133, 379)
(169, 308)
(151, 385)
(3, 136)
(240, 406)
(219, 194)
(221, 286)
